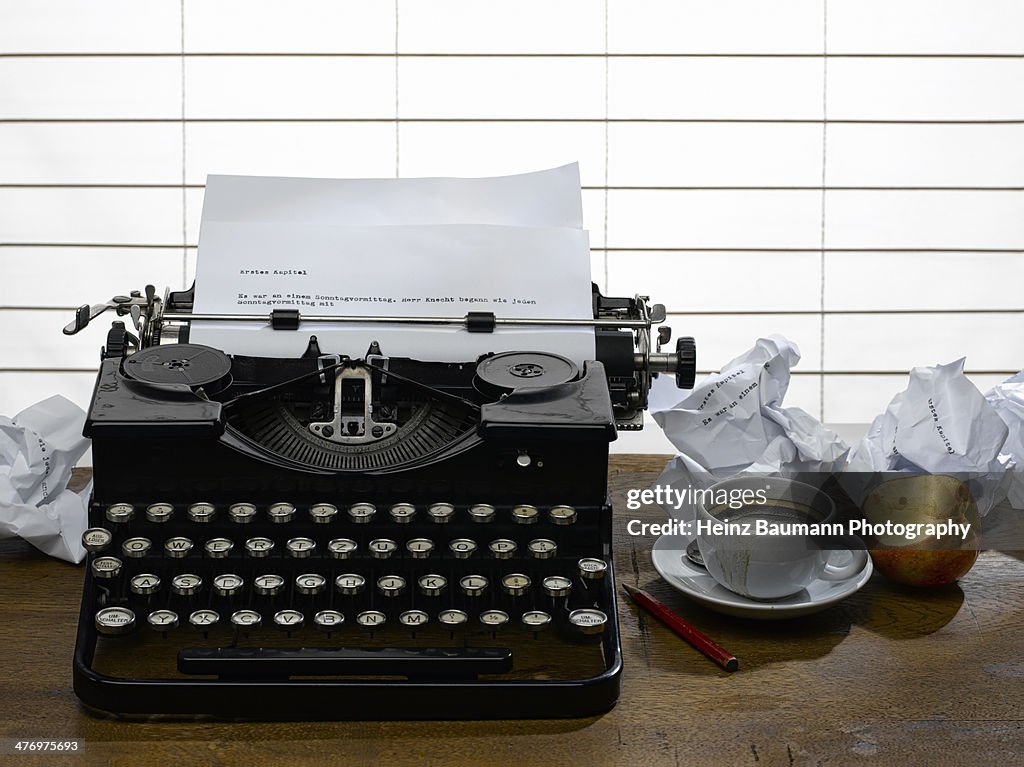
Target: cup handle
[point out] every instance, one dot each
(858, 559)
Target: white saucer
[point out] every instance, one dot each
(669, 557)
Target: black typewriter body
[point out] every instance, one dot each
(335, 538)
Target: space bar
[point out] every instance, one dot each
(384, 661)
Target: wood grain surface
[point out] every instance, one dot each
(890, 676)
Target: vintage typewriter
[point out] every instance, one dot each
(334, 538)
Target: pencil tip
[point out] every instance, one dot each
(629, 589)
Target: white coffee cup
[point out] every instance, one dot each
(771, 566)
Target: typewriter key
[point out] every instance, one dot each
(462, 548)
(502, 548)
(441, 513)
(562, 515)
(482, 512)
(178, 547)
(218, 548)
(144, 584)
(328, 620)
(361, 513)
(300, 548)
(136, 548)
(121, 512)
(268, 585)
(542, 548)
(592, 569)
(186, 584)
(242, 513)
(420, 548)
(515, 584)
(115, 621)
(289, 620)
(227, 584)
(557, 586)
(259, 547)
(588, 621)
(245, 620)
(159, 512)
(280, 513)
(163, 620)
(322, 513)
(96, 538)
(414, 619)
(204, 620)
(382, 548)
(310, 583)
(473, 585)
(432, 585)
(494, 619)
(403, 513)
(201, 512)
(391, 585)
(350, 583)
(371, 619)
(525, 515)
(536, 620)
(342, 548)
(106, 567)
(452, 618)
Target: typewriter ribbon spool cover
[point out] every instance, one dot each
(378, 508)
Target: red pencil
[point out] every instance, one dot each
(716, 652)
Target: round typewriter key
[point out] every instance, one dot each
(310, 583)
(502, 548)
(371, 619)
(441, 513)
(592, 569)
(562, 515)
(515, 584)
(136, 548)
(536, 620)
(144, 584)
(588, 620)
(322, 513)
(391, 585)
(300, 548)
(452, 618)
(163, 620)
(414, 619)
(115, 621)
(96, 538)
(525, 515)
(350, 583)
(542, 548)
(227, 584)
(557, 586)
(268, 584)
(382, 548)
(186, 584)
(473, 585)
(328, 620)
(342, 548)
(242, 513)
(218, 548)
(289, 620)
(494, 619)
(204, 620)
(482, 513)
(246, 619)
(259, 547)
(177, 547)
(159, 512)
(462, 548)
(361, 513)
(201, 512)
(121, 512)
(106, 567)
(420, 548)
(403, 513)
(432, 585)
(280, 513)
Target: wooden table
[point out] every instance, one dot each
(891, 676)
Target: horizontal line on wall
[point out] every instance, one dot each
(698, 313)
(494, 55)
(630, 188)
(595, 120)
(825, 373)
